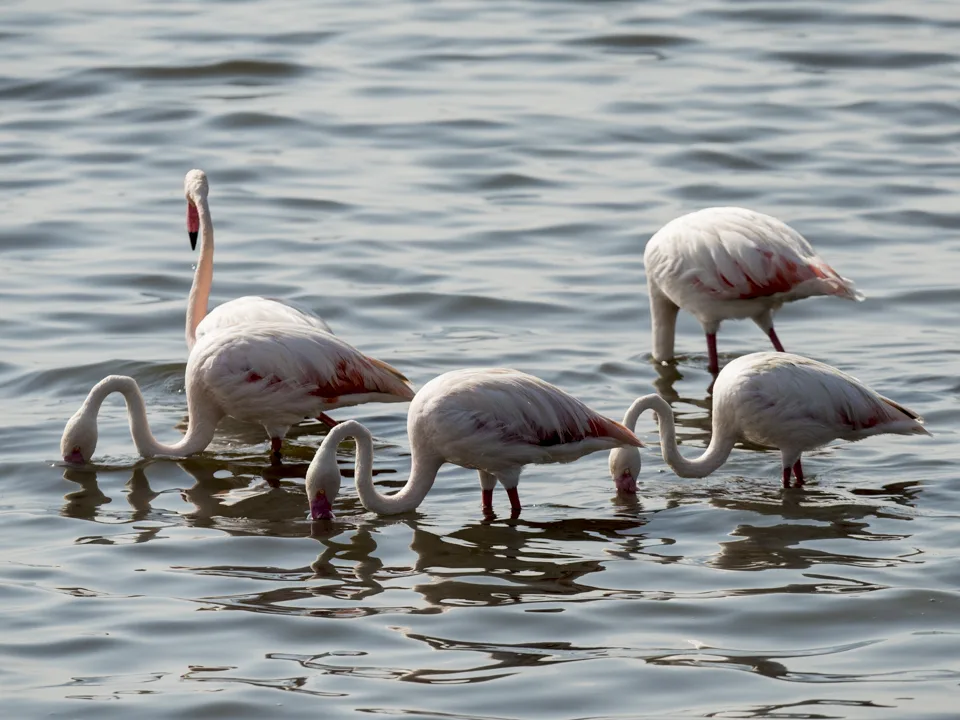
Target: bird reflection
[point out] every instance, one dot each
(83, 504)
(87, 503)
(809, 518)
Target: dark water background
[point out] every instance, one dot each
(460, 184)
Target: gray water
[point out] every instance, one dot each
(468, 184)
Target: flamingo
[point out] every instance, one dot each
(493, 420)
(777, 400)
(731, 263)
(240, 311)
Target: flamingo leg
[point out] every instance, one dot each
(514, 502)
(713, 365)
(327, 420)
(486, 503)
(777, 345)
(798, 473)
(275, 444)
(786, 477)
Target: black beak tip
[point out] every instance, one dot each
(193, 240)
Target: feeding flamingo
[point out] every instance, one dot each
(730, 263)
(274, 375)
(777, 400)
(492, 420)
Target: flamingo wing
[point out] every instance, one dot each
(492, 418)
(278, 374)
(730, 253)
(251, 309)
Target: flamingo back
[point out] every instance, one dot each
(496, 419)
(253, 309)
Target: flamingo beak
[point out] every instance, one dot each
(74, 457)
(626, 484)
(193, 224)
(320, 508)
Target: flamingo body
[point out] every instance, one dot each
(731, 263)
(278, 375)
(492, 420)
(777, 400)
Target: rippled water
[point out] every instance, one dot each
(472, 183)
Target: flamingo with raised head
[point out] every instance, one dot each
(493, 420)
(726, 263)
(241, 311)
(776, 400)
(274, 375)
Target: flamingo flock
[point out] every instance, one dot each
(268, 362)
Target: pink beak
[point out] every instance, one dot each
(320, 508)
(193, 224)
(74, 457)
(626, 484)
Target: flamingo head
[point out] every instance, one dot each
(323, 484)
(79, 440)
(625, 469)
(195, 188)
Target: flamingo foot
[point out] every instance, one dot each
(713, 364)
(327, 420)
(777, 345)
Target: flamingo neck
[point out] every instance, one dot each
(422, 473)
(200, 428)
(663, 316)
(203, 277)
(717, 452)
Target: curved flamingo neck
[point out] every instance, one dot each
(423, 472)
(717, 452)
(200, 428)
(203, 277)
(663, 316)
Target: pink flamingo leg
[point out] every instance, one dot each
(327, 420)
(777, 345)
(275, 444)
(786, 477)
(713, 365)
(798, 473)
(514, 502)
(486, 503)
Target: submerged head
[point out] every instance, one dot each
(625, 469)
(323, 483)
(195, 189)
(79, 440)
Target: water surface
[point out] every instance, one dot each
(469, 184)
